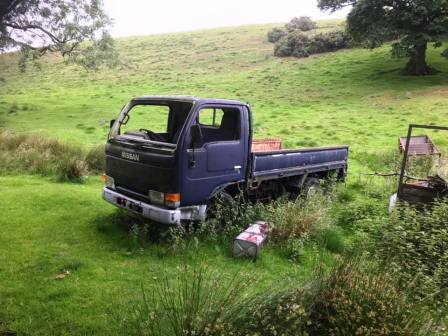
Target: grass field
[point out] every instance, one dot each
(355, 97)
(50, 228)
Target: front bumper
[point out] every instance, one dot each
(153, 212)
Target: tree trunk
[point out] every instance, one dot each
(417, 63)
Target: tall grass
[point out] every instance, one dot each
(34, 154)
(416, 243)
(197, 301)
(354, 298)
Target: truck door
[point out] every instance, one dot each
(221, 157)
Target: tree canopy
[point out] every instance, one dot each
(411, 23)
(76, 29)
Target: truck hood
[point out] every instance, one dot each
(136, 170)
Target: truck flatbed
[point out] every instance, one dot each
(289, 162)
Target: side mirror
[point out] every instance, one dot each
(196, 134)
(112, 122)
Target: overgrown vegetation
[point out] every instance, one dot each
(197, 301)
(301, 24)
(294, 41)
(416, 245)
(354, 298)
(301, 45)
(34, 154)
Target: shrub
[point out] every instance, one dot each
(417, 243)
(303, 23)
(357, 298)
(297, 44)
(229, 217)
(276, 34)
(294, 44)
(354, 298)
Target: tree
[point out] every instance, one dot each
(412, 23)
(76, 29)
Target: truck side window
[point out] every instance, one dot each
(220, 124)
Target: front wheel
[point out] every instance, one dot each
(218, 203)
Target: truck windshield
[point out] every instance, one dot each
(151, 121)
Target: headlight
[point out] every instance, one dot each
(169, 200)
(156, 197)
(109, 181)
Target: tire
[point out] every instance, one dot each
(221, 199)
(311, 186)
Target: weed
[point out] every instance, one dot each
(34, 154)
(416, 243)
(357, 298)
(197, 301)
(354, 298)
(297, 219)
(95, 158)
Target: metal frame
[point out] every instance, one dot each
(406, 150)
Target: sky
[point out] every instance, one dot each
(145, 17)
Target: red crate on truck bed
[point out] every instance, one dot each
(419, 145)
(266, 145)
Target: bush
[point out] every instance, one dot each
(276, 34)
(417, 243)
(303, 23)
(229, 216)
(355, 298)
(294, 44)
(297, 44)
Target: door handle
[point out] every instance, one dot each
(237, 167)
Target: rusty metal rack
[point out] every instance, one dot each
(421, 192)
(419, 145)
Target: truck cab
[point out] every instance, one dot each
(166, 156)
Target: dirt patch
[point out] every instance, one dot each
(440, 92)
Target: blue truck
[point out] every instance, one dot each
(169, 157)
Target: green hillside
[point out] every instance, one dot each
(355, 97)
(70, 265)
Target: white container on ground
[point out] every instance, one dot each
(250, 242)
